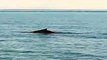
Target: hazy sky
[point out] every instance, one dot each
(53, 4)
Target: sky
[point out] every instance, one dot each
(53, 4)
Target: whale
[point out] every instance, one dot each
(43, 31)
(46, 31)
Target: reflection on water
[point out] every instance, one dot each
(79, 36)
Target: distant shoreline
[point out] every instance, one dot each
(48, 10)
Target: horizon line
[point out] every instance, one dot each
(47, 9)
(51, 10)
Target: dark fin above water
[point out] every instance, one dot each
(44, 31)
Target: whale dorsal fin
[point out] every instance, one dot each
(46, 29)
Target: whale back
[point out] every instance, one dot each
(45, 31)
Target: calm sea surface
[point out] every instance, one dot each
(84, 36)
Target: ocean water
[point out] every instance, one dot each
(84, 36)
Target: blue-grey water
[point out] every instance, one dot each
(84, 36)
